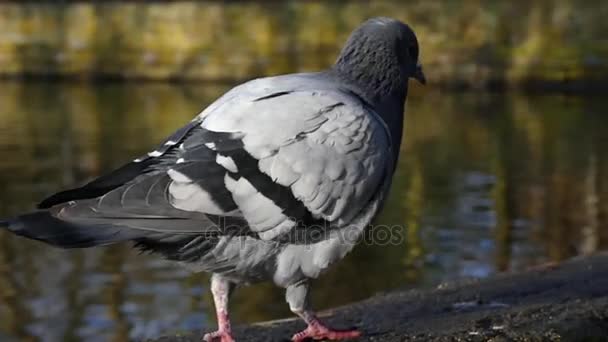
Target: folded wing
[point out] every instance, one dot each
(262, 163)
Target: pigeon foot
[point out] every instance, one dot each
(219, 335)
(317, 331)
(220, 288)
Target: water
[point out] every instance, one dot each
(486, 183)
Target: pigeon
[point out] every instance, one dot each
(274, 181)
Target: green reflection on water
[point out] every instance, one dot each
(465, 43)
(485, 183)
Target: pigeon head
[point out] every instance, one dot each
(379, 57)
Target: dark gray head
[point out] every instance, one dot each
(381, 55)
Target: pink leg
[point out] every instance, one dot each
(317, 331)
(220, 288)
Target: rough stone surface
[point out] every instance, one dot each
(565, 302)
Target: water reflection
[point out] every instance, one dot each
(468, 43)
(485, 183)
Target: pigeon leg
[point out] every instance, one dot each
(299, 303)
(221, 289)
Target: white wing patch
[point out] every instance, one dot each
(262, 215)
(155, 154)
(189, 196)
(227, 163)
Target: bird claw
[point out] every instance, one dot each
(222, 335)
(319, 332)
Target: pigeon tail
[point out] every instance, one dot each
(43, 226)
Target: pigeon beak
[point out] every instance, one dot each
(419, 75)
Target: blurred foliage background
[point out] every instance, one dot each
(474, 43)
(487, 181)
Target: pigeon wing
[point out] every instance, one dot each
(316, 156)
(261, 163)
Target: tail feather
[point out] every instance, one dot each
(43, 226)
(178, 241)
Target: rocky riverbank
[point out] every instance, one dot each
(565, 302)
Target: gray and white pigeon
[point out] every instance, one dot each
(276, 180)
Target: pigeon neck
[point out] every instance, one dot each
(373, 72)
(378, 79)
